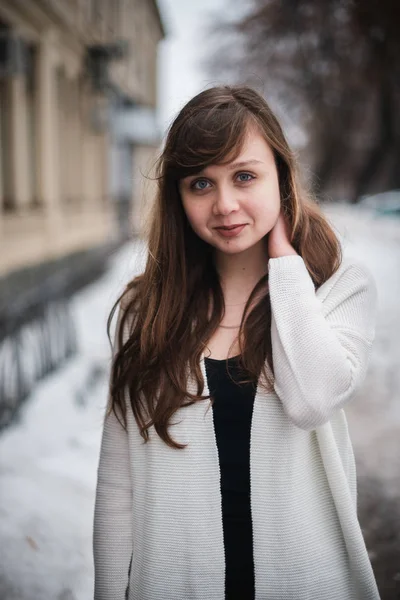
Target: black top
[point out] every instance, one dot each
(232, 412)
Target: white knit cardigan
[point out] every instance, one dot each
(159, 508)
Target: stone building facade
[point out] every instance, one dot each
(68, 69)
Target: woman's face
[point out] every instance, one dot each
(233, 206)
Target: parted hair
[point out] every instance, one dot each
(165, 319)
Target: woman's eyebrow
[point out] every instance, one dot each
(244, 163)
(232, 167)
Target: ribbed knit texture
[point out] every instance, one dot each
(161, 507)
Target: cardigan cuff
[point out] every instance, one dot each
(281, 262)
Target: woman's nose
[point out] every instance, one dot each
(225, 202)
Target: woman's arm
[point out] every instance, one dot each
(112, 535)
(320, 350)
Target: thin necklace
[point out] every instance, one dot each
(230, 326)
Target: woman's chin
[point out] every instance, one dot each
(232, 247)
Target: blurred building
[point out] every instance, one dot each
(77, 122)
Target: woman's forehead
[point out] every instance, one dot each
(192, 155)
(254, 151)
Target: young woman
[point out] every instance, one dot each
(226, 469)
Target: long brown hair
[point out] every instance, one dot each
(164, 312)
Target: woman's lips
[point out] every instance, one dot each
(230, 231)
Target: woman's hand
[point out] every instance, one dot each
(278, 239)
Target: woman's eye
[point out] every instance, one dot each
(200, 184)
(244, 177)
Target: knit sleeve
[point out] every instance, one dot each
(320, 348)
(112, 535)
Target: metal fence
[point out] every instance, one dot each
(37, 332)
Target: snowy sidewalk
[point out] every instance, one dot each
(374, 415)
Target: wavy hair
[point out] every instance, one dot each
(165, 318)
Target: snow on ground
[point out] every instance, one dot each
(374, 416)
(48, 460)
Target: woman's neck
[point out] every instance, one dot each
(239, 273)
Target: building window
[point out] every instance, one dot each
(114, 18)
(31, 101)
(6, 202)
(93, 11)
(6, 199)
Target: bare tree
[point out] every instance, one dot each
(336, 64)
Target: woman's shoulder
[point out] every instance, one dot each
(129, 299)
(355, 268)
(128, 308)
(351, 275)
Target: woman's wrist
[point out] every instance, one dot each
(282, 251)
